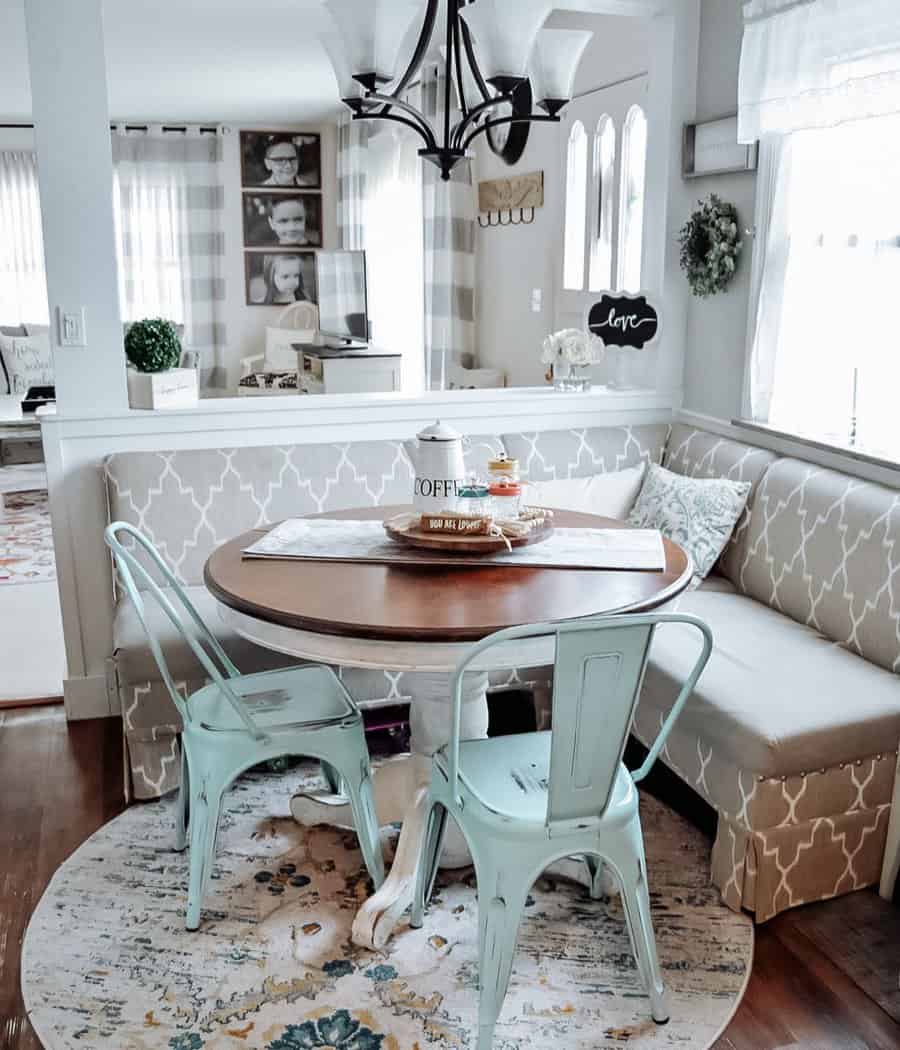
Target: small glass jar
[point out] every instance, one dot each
(474, 498)
(503, 468)
(506, 496)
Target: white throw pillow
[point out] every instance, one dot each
(27, 361)
(611, 495)
(699, 514)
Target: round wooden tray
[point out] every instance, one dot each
(450, 544)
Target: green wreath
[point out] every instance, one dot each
(710, 246)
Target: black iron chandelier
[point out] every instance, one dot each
(495, 55)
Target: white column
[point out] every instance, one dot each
(71, 116)
(671, 102)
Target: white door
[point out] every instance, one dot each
(602, 144)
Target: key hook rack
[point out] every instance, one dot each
(510, 202)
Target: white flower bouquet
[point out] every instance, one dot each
(571, 345)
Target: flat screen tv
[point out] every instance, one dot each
(343, 307)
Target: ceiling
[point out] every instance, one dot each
(215, 61)
(195, 60)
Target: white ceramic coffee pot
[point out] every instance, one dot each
(437, 459)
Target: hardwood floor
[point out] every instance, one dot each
(825, 977)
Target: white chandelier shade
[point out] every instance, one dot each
(372, 34)
(554, 62)
(333, 43)
(504, 32)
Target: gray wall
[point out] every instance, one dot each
(717, 327)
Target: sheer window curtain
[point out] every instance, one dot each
(168, 192)
(380, 211)
(449, 214)
(23, 283)
(805, 65)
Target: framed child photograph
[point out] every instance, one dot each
(282, 220)
(281, 160)
(274, 278)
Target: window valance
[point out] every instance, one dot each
(817, 63)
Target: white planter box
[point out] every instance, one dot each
(176, 388)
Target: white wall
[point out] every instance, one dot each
(717, 326)
(246, 324)
(512, 261)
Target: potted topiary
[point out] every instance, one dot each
(154, 380)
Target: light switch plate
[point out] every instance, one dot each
(537, 300)
(72, 328)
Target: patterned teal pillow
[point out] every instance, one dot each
(699, 514)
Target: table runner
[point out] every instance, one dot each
(326, 539)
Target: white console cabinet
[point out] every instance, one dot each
(368, 371)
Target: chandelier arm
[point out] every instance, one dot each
(452, 18)
(418, 121)
(421, 49)
(469, 48)
(457, 62)
(530, 118)
(474, 113)
(397, 119)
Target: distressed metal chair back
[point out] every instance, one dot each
(598, 671)
(181, 613)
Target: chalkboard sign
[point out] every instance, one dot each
(624, 320)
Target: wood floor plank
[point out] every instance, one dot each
(863, 939)
(59, 782)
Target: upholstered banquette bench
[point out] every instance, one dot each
(792, 733)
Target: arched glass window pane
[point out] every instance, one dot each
(604, 175)
(631, 201)
(576, 208)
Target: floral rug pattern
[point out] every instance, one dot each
(108, 965)
(26, 541)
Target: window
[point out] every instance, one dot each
(604, 194)
(150, 231)
(631, 202)
(836, 360)
(23, 285)
(576, 208)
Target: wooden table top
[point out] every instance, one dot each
(416, 603)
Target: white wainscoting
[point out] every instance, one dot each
(76, 445)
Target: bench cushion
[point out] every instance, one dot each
(824, 549)
(550, 454)
(777, 697)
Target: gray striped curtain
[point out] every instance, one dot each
(169, 199)
(353, 140)
(449, 209)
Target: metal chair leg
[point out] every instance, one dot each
(429, 858)
(206, 803)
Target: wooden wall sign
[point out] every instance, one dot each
(519, 194)
(624, 320)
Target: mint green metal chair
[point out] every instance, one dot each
(523, 802)
(238, 721)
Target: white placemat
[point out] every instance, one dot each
(327, 539)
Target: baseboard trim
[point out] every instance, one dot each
(87, 698)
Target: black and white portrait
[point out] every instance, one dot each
(282, 220)
(281, 160)
(280, 277)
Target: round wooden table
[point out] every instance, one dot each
(423, 619)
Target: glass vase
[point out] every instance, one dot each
(570, 378)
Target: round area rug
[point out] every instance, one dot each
(108, 964)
